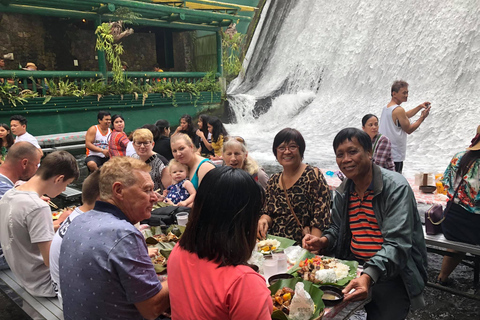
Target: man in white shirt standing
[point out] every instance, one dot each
(18, 126)
(395, 122)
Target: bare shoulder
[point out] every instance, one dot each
(398, 110)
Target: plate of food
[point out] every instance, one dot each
(164, 241)
(273, 243)
(159, 262)
(283, 291)
(325, 270)
(57, 214)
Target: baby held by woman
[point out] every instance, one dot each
(181, 192)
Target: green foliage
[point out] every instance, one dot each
(208, 83)
(10, 93)
(64, 88)
(126, 15)
(232, 46)
(99, 88)
(113, 51)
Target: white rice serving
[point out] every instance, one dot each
(326, 276)
(335, 272)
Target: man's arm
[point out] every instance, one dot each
(400, 115)
(156, 305)
(410, 113)
(45, 251)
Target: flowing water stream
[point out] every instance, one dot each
(319, 66)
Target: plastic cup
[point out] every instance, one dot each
(182, 218)
(282, 263)
(269, 268)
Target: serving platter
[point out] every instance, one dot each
(352, 273)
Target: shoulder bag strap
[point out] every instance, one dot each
(288, 202)
(450, 203)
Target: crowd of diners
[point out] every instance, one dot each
(95, 258)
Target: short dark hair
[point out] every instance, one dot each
(287, 135)
(366, 118)
(19, 118)
(397, 85)
(348, 134)
(222, 226)
(114, 117)
(91, 188)
(154, 129)
(162, 125)
(58, 163)
(102, 114)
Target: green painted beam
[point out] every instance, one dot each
(102, 60)
(219, 54)
(25, 74)
(63, 13)
(24, 9)
(163, 8)
(109, 8)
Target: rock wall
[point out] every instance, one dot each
(57, 42)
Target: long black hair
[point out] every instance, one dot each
(466, 162)
(222, 226)
(204, 118)
(190, 130)
(218, 128)
(8, 137)
(163, 126)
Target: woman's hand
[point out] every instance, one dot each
(200, 133)
(314, 243)
(263, 225)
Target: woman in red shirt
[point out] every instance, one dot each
(118, 141)
(208, 276)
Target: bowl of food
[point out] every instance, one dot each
(279, 276)
(283, 292)
(331, 295)
(428, 189)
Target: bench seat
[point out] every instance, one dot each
(34, 307)
(434, 242)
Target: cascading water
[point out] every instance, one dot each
(319, 66)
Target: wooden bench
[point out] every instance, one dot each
(439, 244)
(35, 307)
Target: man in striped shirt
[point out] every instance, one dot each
(375, 221)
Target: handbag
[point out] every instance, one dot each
(435, 215)
(433, 219)
(164, 216)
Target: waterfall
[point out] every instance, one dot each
(319, 66)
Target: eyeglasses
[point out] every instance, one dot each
(145, 143)
(291, 148)
(238, 138)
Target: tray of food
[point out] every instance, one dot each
(283, 292)
(164, 240)
(322, 270)
(273, 244)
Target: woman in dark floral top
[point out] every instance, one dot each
(306, 189)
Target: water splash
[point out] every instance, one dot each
(320, 66)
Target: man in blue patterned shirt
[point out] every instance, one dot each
(105, 270)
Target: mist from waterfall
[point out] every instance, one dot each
(320, 66)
